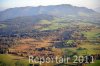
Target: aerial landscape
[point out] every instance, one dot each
(66, 34)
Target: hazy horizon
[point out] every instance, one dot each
(5, 4)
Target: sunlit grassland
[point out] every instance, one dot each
(11, 60)
(89, 49)
(54, 26)
(92, 34)
(96, 63)
(44, 22)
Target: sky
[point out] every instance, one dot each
(4, 4)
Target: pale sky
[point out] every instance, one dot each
(4, 4)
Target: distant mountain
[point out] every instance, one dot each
(54, 10)
(97, 9)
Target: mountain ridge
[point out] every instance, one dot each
(54, 10)
(97, 9)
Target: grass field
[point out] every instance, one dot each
(55, 24)
(92, 34)
(96, 63)
(12, 60)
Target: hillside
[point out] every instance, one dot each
(97, 9)
(55, 10)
